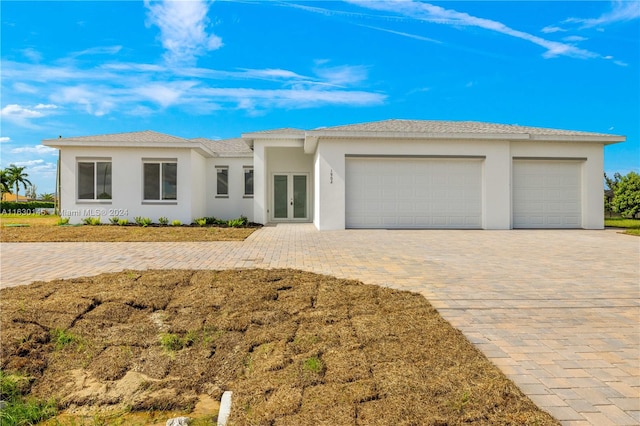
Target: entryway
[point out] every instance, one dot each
(290, 200)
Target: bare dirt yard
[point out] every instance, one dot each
(34, 228)
(296, 348)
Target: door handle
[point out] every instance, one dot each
(291, 202)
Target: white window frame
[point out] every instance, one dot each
(95, 162)
(219, 169)
(245, 171)
(159, 162)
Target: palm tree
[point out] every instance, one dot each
(17, 177)
(47, 196)
(5, 184)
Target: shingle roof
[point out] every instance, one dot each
(452, 127)
(145, 136)
(284, 130)
(227, 147)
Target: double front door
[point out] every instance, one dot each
(290, 201)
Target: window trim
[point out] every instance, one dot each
(95, 161)
(160, 162)
(218, 170)
(245, 169)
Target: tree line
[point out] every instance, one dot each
(13, 177)
(622, 195)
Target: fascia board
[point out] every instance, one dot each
(414, 135)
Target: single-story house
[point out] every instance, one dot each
(385, 174)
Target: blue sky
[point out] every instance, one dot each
(218, 69)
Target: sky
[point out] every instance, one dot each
(219, 69)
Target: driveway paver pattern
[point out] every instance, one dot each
(557, 311)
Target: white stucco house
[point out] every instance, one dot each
(385, 174)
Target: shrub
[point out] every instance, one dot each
(63, 221)
(176, 222)
(237, 223)
(201, 221)
(114, 220)
(163, 220)
(93, 221)
(29, 207)
(123, 222)
(143, 221)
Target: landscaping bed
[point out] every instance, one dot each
(46, 228)
(296, 348)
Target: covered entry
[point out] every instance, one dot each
(413, 192)
(547, 193)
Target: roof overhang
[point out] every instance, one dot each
(61, 143)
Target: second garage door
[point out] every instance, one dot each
(547, 194)
(413, 192)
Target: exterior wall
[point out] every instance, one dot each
(330, 174)
(198, 185)
(236, 204)
(126, 185)
(592, 172)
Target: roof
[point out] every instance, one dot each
(452, 127)
(281, 131)
(227, 147)
(143, 136)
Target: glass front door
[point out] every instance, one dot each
(290, 196)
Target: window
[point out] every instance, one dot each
(94, 180)
(160, 180)
(222, 186)
(248, 181)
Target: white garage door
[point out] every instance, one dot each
(547, 194)
(413, 193)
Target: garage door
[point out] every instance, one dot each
(413, 192)
(547, 194)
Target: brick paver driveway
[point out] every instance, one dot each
(557, 311)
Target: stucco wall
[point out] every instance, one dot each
(127, 185)
(236, 204)
(329, 169)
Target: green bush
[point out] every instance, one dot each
(114, 220)
(63, 221)
(176, 222)
(123, 222)
(163, 221)
(201, 221)
(239, 222)
(143, 221)
(24, 208)
(93, 221)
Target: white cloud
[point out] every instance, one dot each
(4, 139)
(183, 29)
(32, 54)
(552, 29)
(96, 100)
(99, 50)
(400, 33)
(24, 88)
(164, 94)
(20, 115)
(622, 11)
(435, 14)
(342, 75)
(46, 106)
(574, 38)
(28, 163)
(37, 149)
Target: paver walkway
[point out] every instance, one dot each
(557, 311)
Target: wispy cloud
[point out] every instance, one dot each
(574, 38)
(552, 29)
(99, 50)
(4, 139)
(20, 115)
(183, 29)
(621, 11)
(403, 34)
(32, 54)
(37, 149)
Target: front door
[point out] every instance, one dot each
(290, 196)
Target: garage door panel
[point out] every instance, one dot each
(414, 193)
(547, 194)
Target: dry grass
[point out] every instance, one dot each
(44, 229)
(296, 348)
